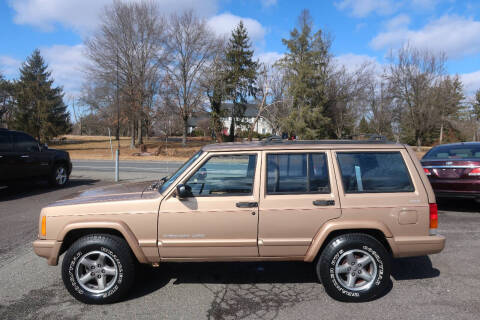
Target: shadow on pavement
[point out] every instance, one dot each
(413, 268)
(31, 188)
(460, 205)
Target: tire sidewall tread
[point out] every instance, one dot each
(326, 263)
(118, 249)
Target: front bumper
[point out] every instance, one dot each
(416, 246)
(48, 249)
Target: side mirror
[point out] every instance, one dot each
(44, 147)
(184, 191)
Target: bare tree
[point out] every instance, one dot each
(126, 53)
(412, 75)
(280, 101)
(191, 46)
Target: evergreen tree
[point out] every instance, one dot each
(363, 126)
(40, 110)
(240, 75)
(306, 64)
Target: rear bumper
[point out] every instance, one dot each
(416, 246)
(47, 249)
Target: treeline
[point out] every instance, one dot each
(32, 103)
(148, 73)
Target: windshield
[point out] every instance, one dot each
(455, 152)
(179, 171)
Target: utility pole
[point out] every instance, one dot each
(117, 152)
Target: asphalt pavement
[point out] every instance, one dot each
(442, 286)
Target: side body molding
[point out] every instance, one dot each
(115, 225)
(334, 225)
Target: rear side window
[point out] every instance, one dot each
(5, 143)
(297, 173)
(25, 143)
(370, 172)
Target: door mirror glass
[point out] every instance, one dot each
(184, 191)
(43, 147)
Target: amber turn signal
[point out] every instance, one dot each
(44, 226)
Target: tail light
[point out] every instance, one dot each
(433, 218)
(475, 172)
(427, 172)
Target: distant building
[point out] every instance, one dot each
(251, 110)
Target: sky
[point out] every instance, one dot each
(362, 30)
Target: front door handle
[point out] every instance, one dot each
(25, 156)
(324, 203)
(247, 204)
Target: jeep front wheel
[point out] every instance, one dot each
(98, 269)
(354, 268)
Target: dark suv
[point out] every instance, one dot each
(22, 157)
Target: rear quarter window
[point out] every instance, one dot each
(374, 172)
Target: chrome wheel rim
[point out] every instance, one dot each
(96, 272)
(356, 270)
(61, 175)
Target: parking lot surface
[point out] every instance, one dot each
(442, 286)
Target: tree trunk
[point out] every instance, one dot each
(185, 129)
(132, 132)
(419, 143)
(231, 135)
(140, 132)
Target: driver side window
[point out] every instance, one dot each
(224, 176)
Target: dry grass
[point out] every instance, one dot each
(98, 148)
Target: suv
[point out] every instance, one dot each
(22, 157)
(346, 206)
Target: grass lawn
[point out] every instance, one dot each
(98, 148)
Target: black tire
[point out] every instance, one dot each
(53, 179)
(335, 257)
(117, 253)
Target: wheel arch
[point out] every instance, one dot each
(331, 230)
(72, 232)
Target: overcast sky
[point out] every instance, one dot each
(362, 30)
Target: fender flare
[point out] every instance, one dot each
(332, 226)
(114, 225)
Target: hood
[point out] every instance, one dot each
(116, 192)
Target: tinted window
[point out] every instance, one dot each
(5, 143)
(297, 173)
(465, 151)
(25, 143)
(374, 172)
(224, 175)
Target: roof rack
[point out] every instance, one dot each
(373, 138)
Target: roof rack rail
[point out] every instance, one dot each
(272, 139)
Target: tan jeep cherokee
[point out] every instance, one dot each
(346, 206)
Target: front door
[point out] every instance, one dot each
(220, 218)
(7, 156)
(299, 195)
(28, 156)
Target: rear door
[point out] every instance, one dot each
(7, 156)
(298, 195)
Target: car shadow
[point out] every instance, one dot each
(31, 188)
(279, 275)
(459, 205)
(413, 268)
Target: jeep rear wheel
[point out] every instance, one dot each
(98, 269)
(354, 268)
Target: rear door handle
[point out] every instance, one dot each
(324, 203)
(25, 156)
(247, 204)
